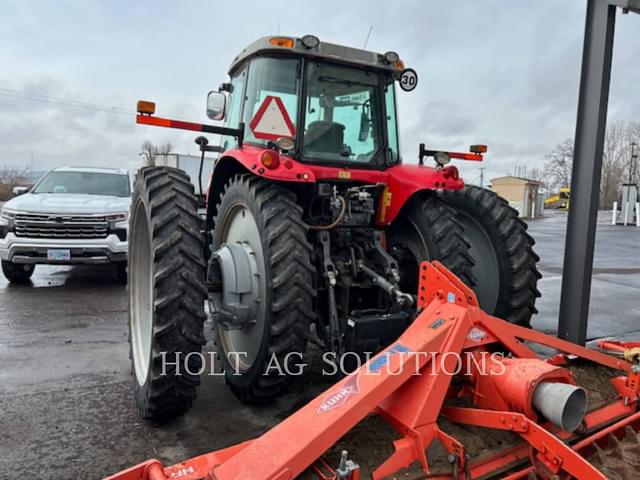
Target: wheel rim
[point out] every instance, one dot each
(486, 267)
(141, 294)
(239, 226)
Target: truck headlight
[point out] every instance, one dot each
(7, 214)
(117, 217)
(118, 224)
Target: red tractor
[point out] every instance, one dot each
(314, 229)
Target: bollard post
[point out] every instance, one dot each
(626, 212)
(615, 213)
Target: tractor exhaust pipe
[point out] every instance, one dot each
(562, 404)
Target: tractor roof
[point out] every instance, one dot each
(310, 46)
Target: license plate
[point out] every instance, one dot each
(58, 255)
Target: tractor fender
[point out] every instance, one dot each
(247, 159)
(287, 170)
(405, 181)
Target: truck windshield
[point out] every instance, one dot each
(343, 114)
(88, 183)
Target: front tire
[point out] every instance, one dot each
(17, 272)
(267, 220)
(121, 272)
(505, 263)
(166, 293)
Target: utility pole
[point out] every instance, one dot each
(593, 100)
(482, 177)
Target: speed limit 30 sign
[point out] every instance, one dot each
(408, 79)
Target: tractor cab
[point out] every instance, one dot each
(317, 102)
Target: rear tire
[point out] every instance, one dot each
(166, 292)
(17, 272)
(426, 230)
(505, 263)
(267, 218)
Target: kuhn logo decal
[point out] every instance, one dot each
(337, 399)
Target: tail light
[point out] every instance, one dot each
(270, 159)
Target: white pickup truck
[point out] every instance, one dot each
(71, 216)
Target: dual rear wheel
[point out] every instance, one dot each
(479, 237)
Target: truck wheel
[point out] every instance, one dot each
(17, 272)
(427, 229)
(166, 292)
(121, 272)
(267, 222)
(502, 250)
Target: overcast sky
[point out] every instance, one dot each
(499, 72)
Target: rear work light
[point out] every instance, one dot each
(270, 159)
(284, 42)
(391, 57)
(310, 41)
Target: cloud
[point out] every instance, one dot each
(502, 73)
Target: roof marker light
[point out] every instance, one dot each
(284, 42)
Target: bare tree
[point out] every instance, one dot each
(557, 168)
(12, 177)
(537, 175)
(615, 157)
(616, 161)
(149, 151)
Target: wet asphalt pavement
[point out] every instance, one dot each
(66, 409)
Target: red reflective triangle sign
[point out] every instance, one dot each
(272, 121)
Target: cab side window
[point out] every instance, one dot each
(234, 109)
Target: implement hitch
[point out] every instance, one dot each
(453, 354)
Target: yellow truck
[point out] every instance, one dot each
(559, 200)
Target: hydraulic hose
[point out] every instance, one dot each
(343, 209)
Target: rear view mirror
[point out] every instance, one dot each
(20, 190)
(216, 105)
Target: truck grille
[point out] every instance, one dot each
(43, 225)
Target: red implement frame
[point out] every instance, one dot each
(407, 385)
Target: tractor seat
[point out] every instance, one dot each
(324, 137)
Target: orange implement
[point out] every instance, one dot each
(407, 385)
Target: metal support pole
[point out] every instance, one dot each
(586, 173)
